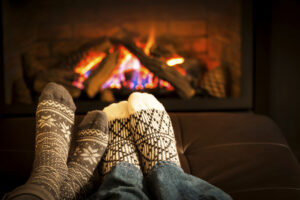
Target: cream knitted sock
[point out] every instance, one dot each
(153, 131)
(120, 147)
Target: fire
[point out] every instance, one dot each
(86, 65)
(129, 72)
(150, 42)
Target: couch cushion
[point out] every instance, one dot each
(242, 153)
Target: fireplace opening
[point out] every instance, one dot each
(101, 51)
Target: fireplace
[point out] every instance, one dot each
(192, 55)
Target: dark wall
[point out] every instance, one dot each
(278, 65)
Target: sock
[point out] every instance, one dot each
(90, 144)
(54, 123)
(121, 147)
(153, 131)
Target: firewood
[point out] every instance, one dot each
(31, 67)
(101, 74)
(195, 69)
(160, 51)
(21, 93)
(61, 76)
(99, 45)
(159, 68)
(107, 96)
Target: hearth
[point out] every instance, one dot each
(192, 55)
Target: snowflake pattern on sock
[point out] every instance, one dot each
(51, 145)
(90, 145)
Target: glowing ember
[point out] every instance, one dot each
(175, 61)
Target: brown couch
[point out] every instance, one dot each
(242, 153)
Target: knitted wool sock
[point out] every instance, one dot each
(54, 121)
(153, 131)
(90, 143)
(121, 147)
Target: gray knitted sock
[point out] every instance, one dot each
(54, 123)
(90, 143)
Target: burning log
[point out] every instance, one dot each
(99, 45)
(162, 50)
(21, 93)
(37, 76)
(61, 76)
(159, 68)
(101, 74)
(107, 96)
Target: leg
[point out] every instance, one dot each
(120, 165)
(124, 181)
(154, 137)
(54, 121)
(168, 181)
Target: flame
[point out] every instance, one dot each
(150, 42)
(175, 61)
(129, 72)
(84, 67)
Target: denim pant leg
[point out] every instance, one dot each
(167, 181)
(124, 181)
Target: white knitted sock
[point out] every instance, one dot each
(153, 131)
(121, 147)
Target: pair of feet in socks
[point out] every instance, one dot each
(138, 132)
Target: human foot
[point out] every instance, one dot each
(120, 147)
(54, 123)
(90, 144)
(153, 131)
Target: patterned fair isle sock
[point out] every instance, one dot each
(54, 121)
(120, 147)
(90, 144)
(153, 131)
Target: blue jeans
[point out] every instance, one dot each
(165, 181)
